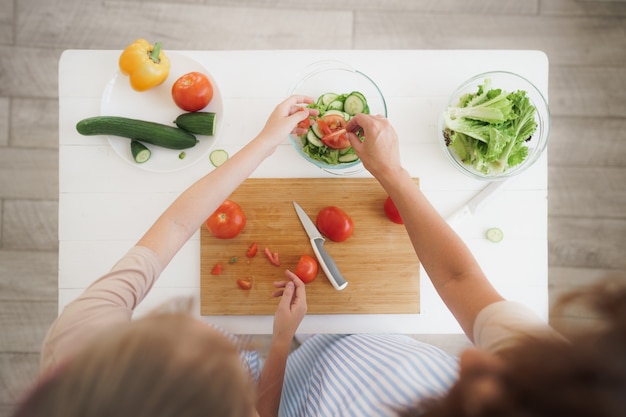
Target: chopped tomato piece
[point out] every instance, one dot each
(217, 269)
(272, 256)
(304, 124)
(244, 284)
(307, 268)
(338, 139)
(334, 122)
(252, 250)
(324, 128)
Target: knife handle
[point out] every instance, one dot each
(328, 265)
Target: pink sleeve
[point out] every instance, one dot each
(500, 325)
(108, 301)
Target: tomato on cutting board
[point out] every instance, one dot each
(307, 268)
(334, 223)
(391, 211)
(192, 91)
(227, 221)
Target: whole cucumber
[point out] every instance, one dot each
(149, 132)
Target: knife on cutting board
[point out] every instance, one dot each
(317, 242)
(472, 207)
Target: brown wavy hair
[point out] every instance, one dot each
(159, 366)
(582, 377)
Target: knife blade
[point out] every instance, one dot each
(472, 207)
(317, 242)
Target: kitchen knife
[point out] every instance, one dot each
(475, 203)
(317, 242)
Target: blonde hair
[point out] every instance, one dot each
(163, 365)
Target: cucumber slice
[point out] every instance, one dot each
(316, 130)
(354, 104)
(335, 105)
(335, 112)
(325, 99)
(218, 157)
(140, 152)
(494, 234)
(349, 157)
(313, 139)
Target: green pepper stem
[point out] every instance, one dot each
(154, 55)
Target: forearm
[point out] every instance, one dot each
(453, 270)
(189, 211)
(272, 376)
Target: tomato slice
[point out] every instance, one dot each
(217, 269)
(305, 124)
(307, 268)
(244, 284)
(337, 140)
(252, 250)
(323, 127)
(392, 212)
(330, 123)
(272, 256)
(334, 122)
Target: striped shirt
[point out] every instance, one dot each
(363, 375)
(378, 375)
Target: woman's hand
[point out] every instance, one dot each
(291, 308)
(379, 151)
(286, 117)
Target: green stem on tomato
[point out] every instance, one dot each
(154, 55)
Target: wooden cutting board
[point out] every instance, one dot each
(378, 260)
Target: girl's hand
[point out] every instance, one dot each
(286, 117)
(291, 308)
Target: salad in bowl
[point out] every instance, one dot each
(340, 92)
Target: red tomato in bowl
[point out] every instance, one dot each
(192, 91)
(338, 139)
(227, 221)
(307, 268)
(334, 223)
(391, 211)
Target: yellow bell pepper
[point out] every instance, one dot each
(146, 65)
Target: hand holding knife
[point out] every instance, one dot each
(317, 242)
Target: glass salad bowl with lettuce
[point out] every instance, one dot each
(495, 125)
(340, 91)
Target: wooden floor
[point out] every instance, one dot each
(584, 40)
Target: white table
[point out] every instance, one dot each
(106, 204)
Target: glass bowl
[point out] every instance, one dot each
(337, 77)
(509, 82)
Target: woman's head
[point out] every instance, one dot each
(163, 365)
(585, 377)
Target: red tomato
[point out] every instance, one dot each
(192, 91)
(244, 284)
(272, 256)
(338, 139)
(392, 212)
(330, 123)
(217, 269)
(252, 250)
(334, 223)
(304, 124)
(307, 268)
(227, 221)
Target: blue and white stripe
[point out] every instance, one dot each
(356, 375)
